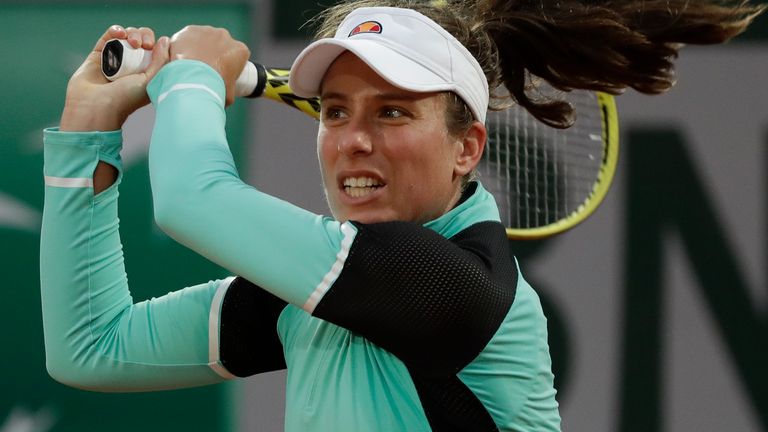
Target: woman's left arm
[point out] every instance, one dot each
(200, 200)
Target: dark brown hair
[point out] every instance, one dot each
(605, 45)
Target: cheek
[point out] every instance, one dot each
(434, 154)
(326, 152)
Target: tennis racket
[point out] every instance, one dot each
(545, 180)
(119, 59)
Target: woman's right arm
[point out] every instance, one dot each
(96, 338)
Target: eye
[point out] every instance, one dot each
(333, 113)
(392, 112)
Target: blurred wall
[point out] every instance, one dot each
(42, 44)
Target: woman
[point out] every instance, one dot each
(403, 312)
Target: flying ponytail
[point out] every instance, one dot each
(604, 45)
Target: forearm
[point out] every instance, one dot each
(80, 117)
(201, 202)
(95, 337)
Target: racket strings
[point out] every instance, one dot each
(539, 174)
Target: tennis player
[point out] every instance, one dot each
(403, 312)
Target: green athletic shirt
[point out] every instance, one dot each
(382, 327)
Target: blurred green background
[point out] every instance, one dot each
(42, 44)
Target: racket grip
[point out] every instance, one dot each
(119, 59)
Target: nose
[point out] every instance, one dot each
(356, 139)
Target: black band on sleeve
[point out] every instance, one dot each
(433, 302)
(249, 343)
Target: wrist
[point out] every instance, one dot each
(86, 116)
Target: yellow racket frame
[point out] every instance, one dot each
(610, 157)
(277, 89)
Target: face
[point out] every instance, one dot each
(385, 153)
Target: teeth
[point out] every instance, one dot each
(360, 186)
(361, 182)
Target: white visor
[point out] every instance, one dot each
(405, 48)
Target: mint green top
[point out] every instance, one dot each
(97, 338)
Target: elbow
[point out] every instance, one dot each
(61, 373)
(59, 358)
(82, 377)
(186, 211)
(81, 369)
(165, 215)
(172, 198)
(171, 209)
(178, 218)
(68, 373)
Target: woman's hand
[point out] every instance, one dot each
(94, 103)
(214, 46)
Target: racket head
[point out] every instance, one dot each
(547, 180)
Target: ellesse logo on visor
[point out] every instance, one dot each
(366, 27)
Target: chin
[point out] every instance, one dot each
(366, 217)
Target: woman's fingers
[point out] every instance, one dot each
(113, 32)
(147, 38)
(142, 37)
(160, 56)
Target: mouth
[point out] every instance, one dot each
(358, 187)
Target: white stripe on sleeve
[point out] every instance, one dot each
(214, 361)
(68, 182)
(330, 277)
(177, 87)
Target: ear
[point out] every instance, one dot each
(471, 149)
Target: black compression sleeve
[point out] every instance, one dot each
(249, 343)
(433, 302)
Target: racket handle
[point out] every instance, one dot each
(119, 59)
